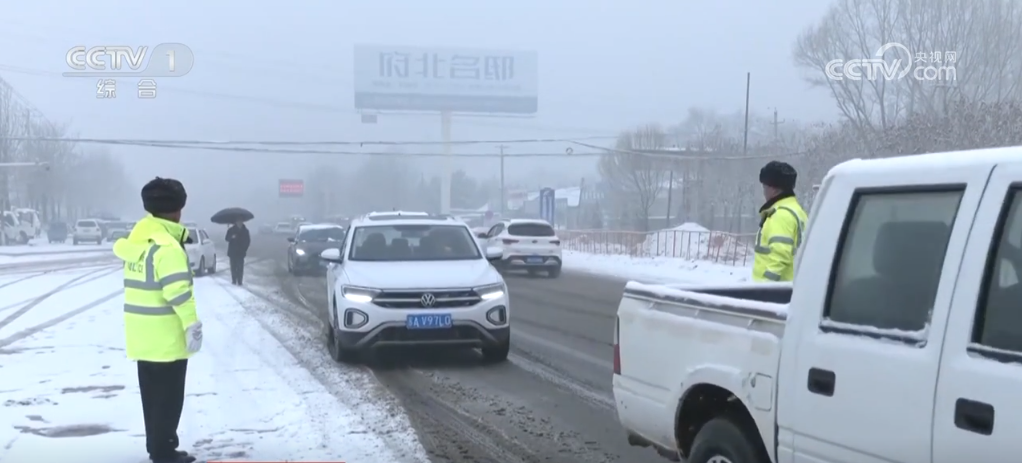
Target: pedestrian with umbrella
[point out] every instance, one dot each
(238, 239)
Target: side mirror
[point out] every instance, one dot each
(331, 255)
(494, 253)
(482, 235)
(290, 239)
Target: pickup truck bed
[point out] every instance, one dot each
(672, 344)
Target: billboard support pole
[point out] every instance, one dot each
(445, 178)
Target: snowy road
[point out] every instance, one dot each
(258, 390)
(551, 403)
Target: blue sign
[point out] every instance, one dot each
(546, 205)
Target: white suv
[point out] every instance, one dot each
(414, 279)
(87, 230)
(527, 244)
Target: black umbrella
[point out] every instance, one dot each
(231, 215)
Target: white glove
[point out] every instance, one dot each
(193, 337)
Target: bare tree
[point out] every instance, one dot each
(984, 35)
(637, 180)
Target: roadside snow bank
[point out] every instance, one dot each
(656, 269)
(247, 396)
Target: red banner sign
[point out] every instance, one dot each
(291, 188)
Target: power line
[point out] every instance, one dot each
(302, 143)
(675, 155)
(605, 134)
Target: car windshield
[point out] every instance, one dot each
(413, 243)
(321, 234)
(530, 229)
(86, 223)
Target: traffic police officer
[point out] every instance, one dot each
(782, 224)
(161, 326)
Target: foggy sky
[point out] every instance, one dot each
(282, 71)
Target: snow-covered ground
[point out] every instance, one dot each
(67, 388)
(37, 247)
(656, 269)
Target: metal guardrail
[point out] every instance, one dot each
(710, 246)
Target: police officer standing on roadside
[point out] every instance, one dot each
(161, 326)
(782, 224)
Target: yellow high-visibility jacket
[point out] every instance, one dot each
(158, 300)
(779, 237)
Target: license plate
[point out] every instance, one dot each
(534, 260)
(429, 321)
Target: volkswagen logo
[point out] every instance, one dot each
(428, 300)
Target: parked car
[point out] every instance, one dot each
(900, 339)
(115, 230)
(284, 228)
(88, 230)
(201, 252)
(56, 232)
(528, 244)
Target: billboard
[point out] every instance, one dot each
(290, 188)
(393, 78)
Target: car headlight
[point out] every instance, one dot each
(358, 294)
(491, 292)
(300, 252)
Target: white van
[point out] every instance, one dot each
(30, 221)
(899, 341)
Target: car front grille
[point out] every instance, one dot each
(443, 299)
(401, 334)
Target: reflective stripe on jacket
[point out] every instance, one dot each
(778, 239)
(158, 300)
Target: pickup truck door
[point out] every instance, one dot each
(867, 343)
(978, 411)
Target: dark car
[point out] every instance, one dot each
(56, 232)
(308, 243)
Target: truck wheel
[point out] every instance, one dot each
(554, 272)
(201, 269)
(723, 440)
(24, 237)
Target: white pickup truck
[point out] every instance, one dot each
(900, 342)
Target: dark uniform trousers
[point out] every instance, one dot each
(162, 386)
(237, 268)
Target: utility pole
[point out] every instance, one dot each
(776, 123)
(503, 201)
(748, 87)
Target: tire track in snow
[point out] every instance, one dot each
(37, 272)
(77, 281)
(57, 320)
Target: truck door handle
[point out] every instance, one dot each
(973, 416)
(821, 382)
